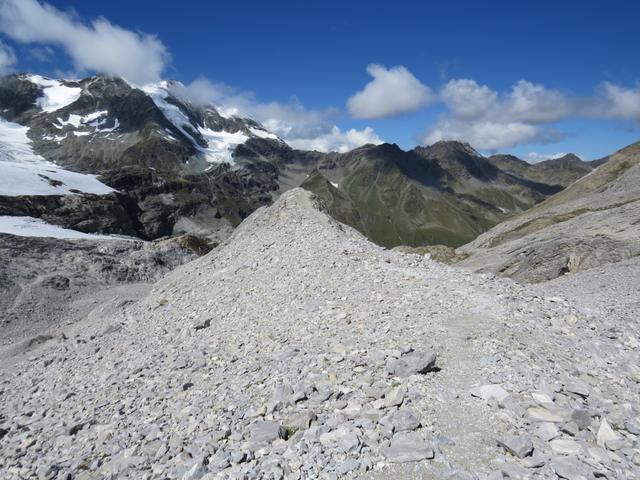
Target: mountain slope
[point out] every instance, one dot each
(593, 221)
(443, 194)
(299, 349)
(561, 171)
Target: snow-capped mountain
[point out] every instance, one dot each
(101, 117)
(158, 156)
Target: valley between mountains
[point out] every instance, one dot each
(185, 296)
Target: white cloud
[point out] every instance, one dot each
(337, 141)
(98, 46)
(392, 92)
(466, 99)
(490, 120)
(301, 127)
(617, 102)
(7, 58)
(483, 134)
(524, 114)
(533, 103)
(535, 157)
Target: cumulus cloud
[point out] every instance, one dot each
(490, 120)
(616, 102)
(485, 135)
(337, 141)
(392, 92)
(535, 157)
(98, 46)
(7, 58)
(524, 114)
(301, 127)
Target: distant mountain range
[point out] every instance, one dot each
(99, 155)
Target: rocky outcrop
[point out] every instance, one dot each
(48, 283)
(592, 222)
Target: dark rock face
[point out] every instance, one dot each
(86, 212)
(52, 282)
(18, 98)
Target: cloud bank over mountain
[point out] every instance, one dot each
(94, 46)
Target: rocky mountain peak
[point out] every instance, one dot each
(568, 159)
(448, 148)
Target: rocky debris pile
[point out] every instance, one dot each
(297, 349)
(46, 283)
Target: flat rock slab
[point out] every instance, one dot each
(539, 414)
(405, 420)
(264, 431)
(489, 392)
(606, 433)
(565, 446)
(343, 439)
(407, 448)
(519, 446)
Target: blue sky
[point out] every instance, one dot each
(313, 57)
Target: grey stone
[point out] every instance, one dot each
(407, 448)
(349, 465)
(539, 414)
(300, 420)
(579, 388)
(412, 364)
(343, 439)
(395, 396)
(519, 446)
(565, 446)
(266, 431)
(547, 431)
(605, 433)
(219, 461)
(632, 426)
(581, 417)
(569, 469)
(570, 428)
(488, 392)
(405, 420)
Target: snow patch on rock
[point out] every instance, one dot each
(258, 132)
(35, 227)
(26, 173)
(56, 95)
(220, 145)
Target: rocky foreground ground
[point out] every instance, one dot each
(298, 349)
